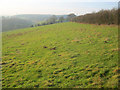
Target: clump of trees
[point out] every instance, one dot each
(101, 17)
(70, 16)
(61, 19)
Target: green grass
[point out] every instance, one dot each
(64, 55)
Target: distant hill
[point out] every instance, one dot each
(24, 20)
(37, 17)
(12, 23)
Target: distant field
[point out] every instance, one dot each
(64, 55)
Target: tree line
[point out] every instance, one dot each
(54, 19)
(101, 17)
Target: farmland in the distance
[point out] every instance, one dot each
(64, 55)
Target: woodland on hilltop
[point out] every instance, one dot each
(101, 17)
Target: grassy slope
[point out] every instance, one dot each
(61, 55)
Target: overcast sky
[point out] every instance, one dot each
(79, 7)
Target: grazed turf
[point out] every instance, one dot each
(61, 55)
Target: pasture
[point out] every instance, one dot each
(63, 55)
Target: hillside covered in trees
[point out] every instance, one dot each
(101, 17)
(12, 23)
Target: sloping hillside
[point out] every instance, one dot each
(61, 55)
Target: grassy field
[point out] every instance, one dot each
(64, 55)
